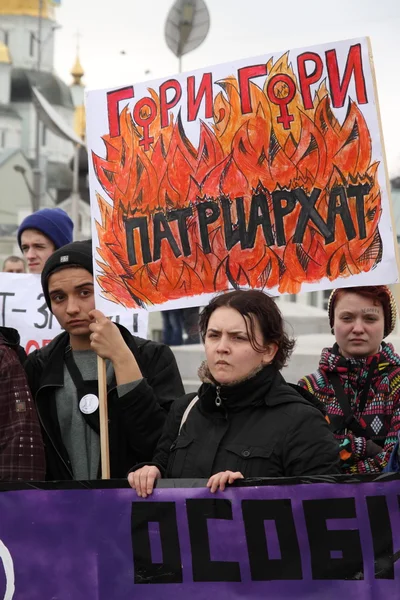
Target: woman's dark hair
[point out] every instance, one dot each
(254, 304)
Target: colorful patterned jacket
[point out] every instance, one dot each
(381, 415)
(21, 445)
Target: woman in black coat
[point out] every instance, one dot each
(245, 421)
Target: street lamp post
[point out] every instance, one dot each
(186, 27)
(37, 170)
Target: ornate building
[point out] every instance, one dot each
(31, 144)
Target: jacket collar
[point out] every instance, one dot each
(205, 376)
(332, 360)
(263, 388)
(52, 358)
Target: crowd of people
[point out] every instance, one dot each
(245, 421)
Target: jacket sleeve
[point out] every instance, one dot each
(357, 461)
(163, 375)
(22, 451)
(169, 435)
(144, 409)
(310, 448)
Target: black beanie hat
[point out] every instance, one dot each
(76, 254)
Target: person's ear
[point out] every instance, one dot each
(332, 331)
(269, 353)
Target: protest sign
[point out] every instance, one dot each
(22, 306)
(319, 540)
(266, 173)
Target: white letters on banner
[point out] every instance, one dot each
(23, 307)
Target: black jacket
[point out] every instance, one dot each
(263, 428)
(135, 420)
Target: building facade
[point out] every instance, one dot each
(36, 164)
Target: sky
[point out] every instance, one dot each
(122, 41)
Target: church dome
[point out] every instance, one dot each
(77, 72)
(26, 8)
(49, 85)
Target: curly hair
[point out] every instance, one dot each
(257, 307)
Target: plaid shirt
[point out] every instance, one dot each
(21, 445)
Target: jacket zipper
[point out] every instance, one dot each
(45, 430)
(218, 399)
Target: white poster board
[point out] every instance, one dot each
(266, 173)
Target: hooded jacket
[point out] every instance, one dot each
(262, 428)
(135, 420)
(381, 414)
(21, 444)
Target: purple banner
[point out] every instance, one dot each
(300, 541)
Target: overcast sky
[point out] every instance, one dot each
(122, 41)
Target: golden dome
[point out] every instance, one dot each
(77, 72)
(26, 7)
(4, 54)
(80, 121)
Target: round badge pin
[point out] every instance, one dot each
(88, 404)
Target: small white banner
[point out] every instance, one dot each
(22, 306)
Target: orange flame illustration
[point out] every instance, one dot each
(234, 158)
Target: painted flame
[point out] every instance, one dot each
(235, 156)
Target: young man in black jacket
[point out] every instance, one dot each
(142, 377)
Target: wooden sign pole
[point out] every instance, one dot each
(103, 413)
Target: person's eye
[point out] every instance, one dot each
(85, 293)
(211, 335)
(57, 298)
(241, 338)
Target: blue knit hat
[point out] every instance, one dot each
(52, 222)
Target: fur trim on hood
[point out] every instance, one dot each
(205, 376)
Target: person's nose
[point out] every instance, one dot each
(223, 345)
(72, 306)
(31, 253)
(358, 326)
